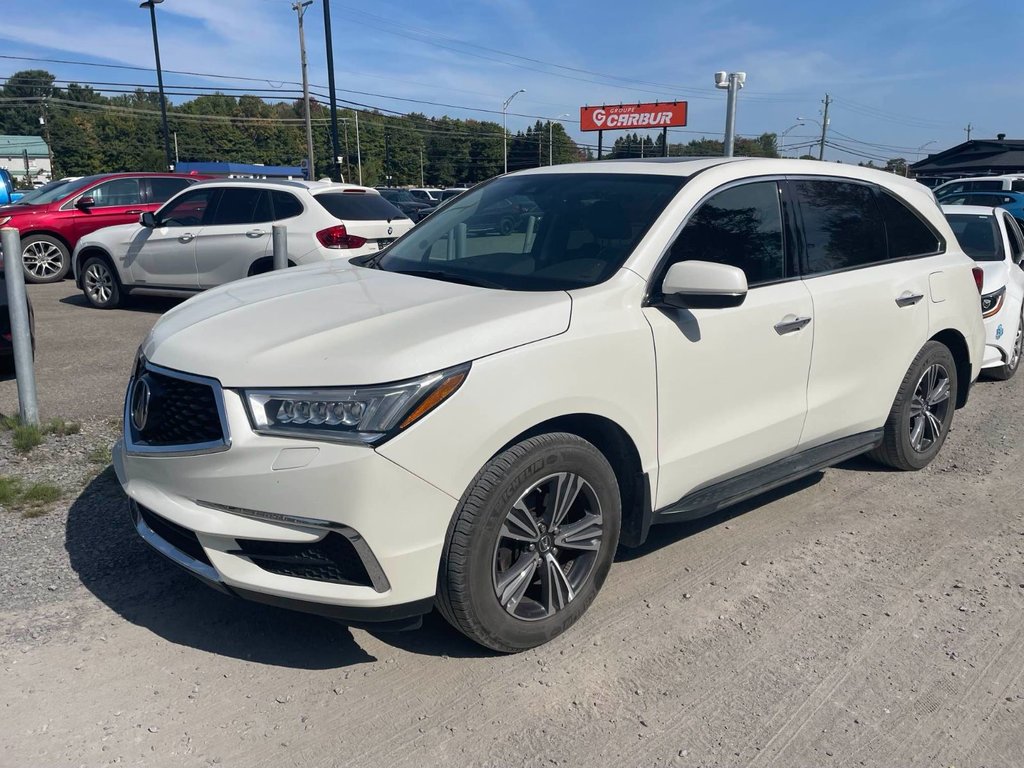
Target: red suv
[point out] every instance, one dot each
(52, 218)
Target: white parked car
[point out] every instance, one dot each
(426, 194)
(1006, 183)
(992, 237)
(219, 231)
(475, 420)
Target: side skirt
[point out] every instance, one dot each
(724, 493)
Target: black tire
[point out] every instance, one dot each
(45, 259)
(100, 285)
(902, 446)
(1005, 372)
(477, 544)
(506, 225)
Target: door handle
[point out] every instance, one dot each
(791, 324)
(255, 233)
(134, 211)
(187, 237)
(908, 299)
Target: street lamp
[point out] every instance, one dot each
(151, 4)
(782, 136)
(504, 129)
(732, 81)
(551, 140)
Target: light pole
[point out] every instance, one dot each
(504, 128)
(782, 136)
(551, 139)
(300, 8)
(732, 81)
(151, 4)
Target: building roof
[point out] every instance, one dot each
(241, 169)
(978, 157)
(14, 146)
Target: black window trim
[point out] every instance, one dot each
(876, 189)
(653, 295)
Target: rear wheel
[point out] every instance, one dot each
(46, 259)
(99, 284)
(922, 412)
(1006, 371)
(531, 543)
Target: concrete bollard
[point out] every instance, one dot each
(21, 331)
(280, 234)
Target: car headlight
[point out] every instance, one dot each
(991, 303)
(363, 415)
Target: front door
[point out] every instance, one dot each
(165, 255)
(118, 201)
(732, 383)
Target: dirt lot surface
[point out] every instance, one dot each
(859, 617)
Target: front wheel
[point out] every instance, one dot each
(100, 284)
(1006, 371)
(531, 543)
(922, 412)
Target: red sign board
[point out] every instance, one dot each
(624, 117)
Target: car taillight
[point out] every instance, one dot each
(979, 277)
(338, 237)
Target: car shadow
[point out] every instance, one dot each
(142, 587)
(670, 533)
(155, 305)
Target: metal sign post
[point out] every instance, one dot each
(21, 331)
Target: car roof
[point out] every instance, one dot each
(976, 210)
(313, 187)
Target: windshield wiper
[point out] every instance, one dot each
(437, 274)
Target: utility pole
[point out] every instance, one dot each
(334, 99)
(824, 128)
(968, 129)
(300, 9)
(387, 157)
(359, 151)
(732, 81)
(422, 183)
(45, 120)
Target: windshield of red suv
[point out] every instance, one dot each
(543, 232)
(56, 190)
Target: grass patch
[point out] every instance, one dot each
(7, 423)
(100, 455)
(32, 500)
(27, 437)
(59, 427)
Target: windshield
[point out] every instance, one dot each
(541, 232)
(55, 190)
(358, 206)
(978, 235)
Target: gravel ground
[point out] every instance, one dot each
(859, 617)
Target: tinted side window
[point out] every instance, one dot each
(842, 225)
(1017, 185)
(741, 227)
(1016, 241)
(286, 205)
(162, 190)
(985, 186)
(907, 234)
(116, 192)
(242, 205)
(187, 210)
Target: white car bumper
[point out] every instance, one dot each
(1000, 334)
(321, 527)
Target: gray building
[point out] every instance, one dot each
(25, 156)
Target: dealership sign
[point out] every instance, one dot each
(621, 117)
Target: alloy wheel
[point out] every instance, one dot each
(547, 547)
(99, 283)
(929, 407)
(1018, 346)
(42, 259)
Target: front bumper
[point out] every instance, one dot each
(266, 492)
(1000, 333)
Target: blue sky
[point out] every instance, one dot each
(903, 73)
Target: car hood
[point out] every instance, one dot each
(332, 324)
(996, 275)
(21, 210)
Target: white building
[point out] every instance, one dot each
(25, 155)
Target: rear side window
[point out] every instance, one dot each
(907, 235)
(842, 225)
(358, 206)
(985, 186)
(286, 205)
(162, 190)
(740, 226)
(241, 205)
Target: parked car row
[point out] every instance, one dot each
(477, 416)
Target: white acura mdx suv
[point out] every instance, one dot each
(475, 420)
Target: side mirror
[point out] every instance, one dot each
(86, 201)
(147, 219)
(703, 285)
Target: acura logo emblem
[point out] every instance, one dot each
(140, 404)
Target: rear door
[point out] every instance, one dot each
(865, 262)
(118, 201)
(366, 215)
(165, 255)
(235, 237)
